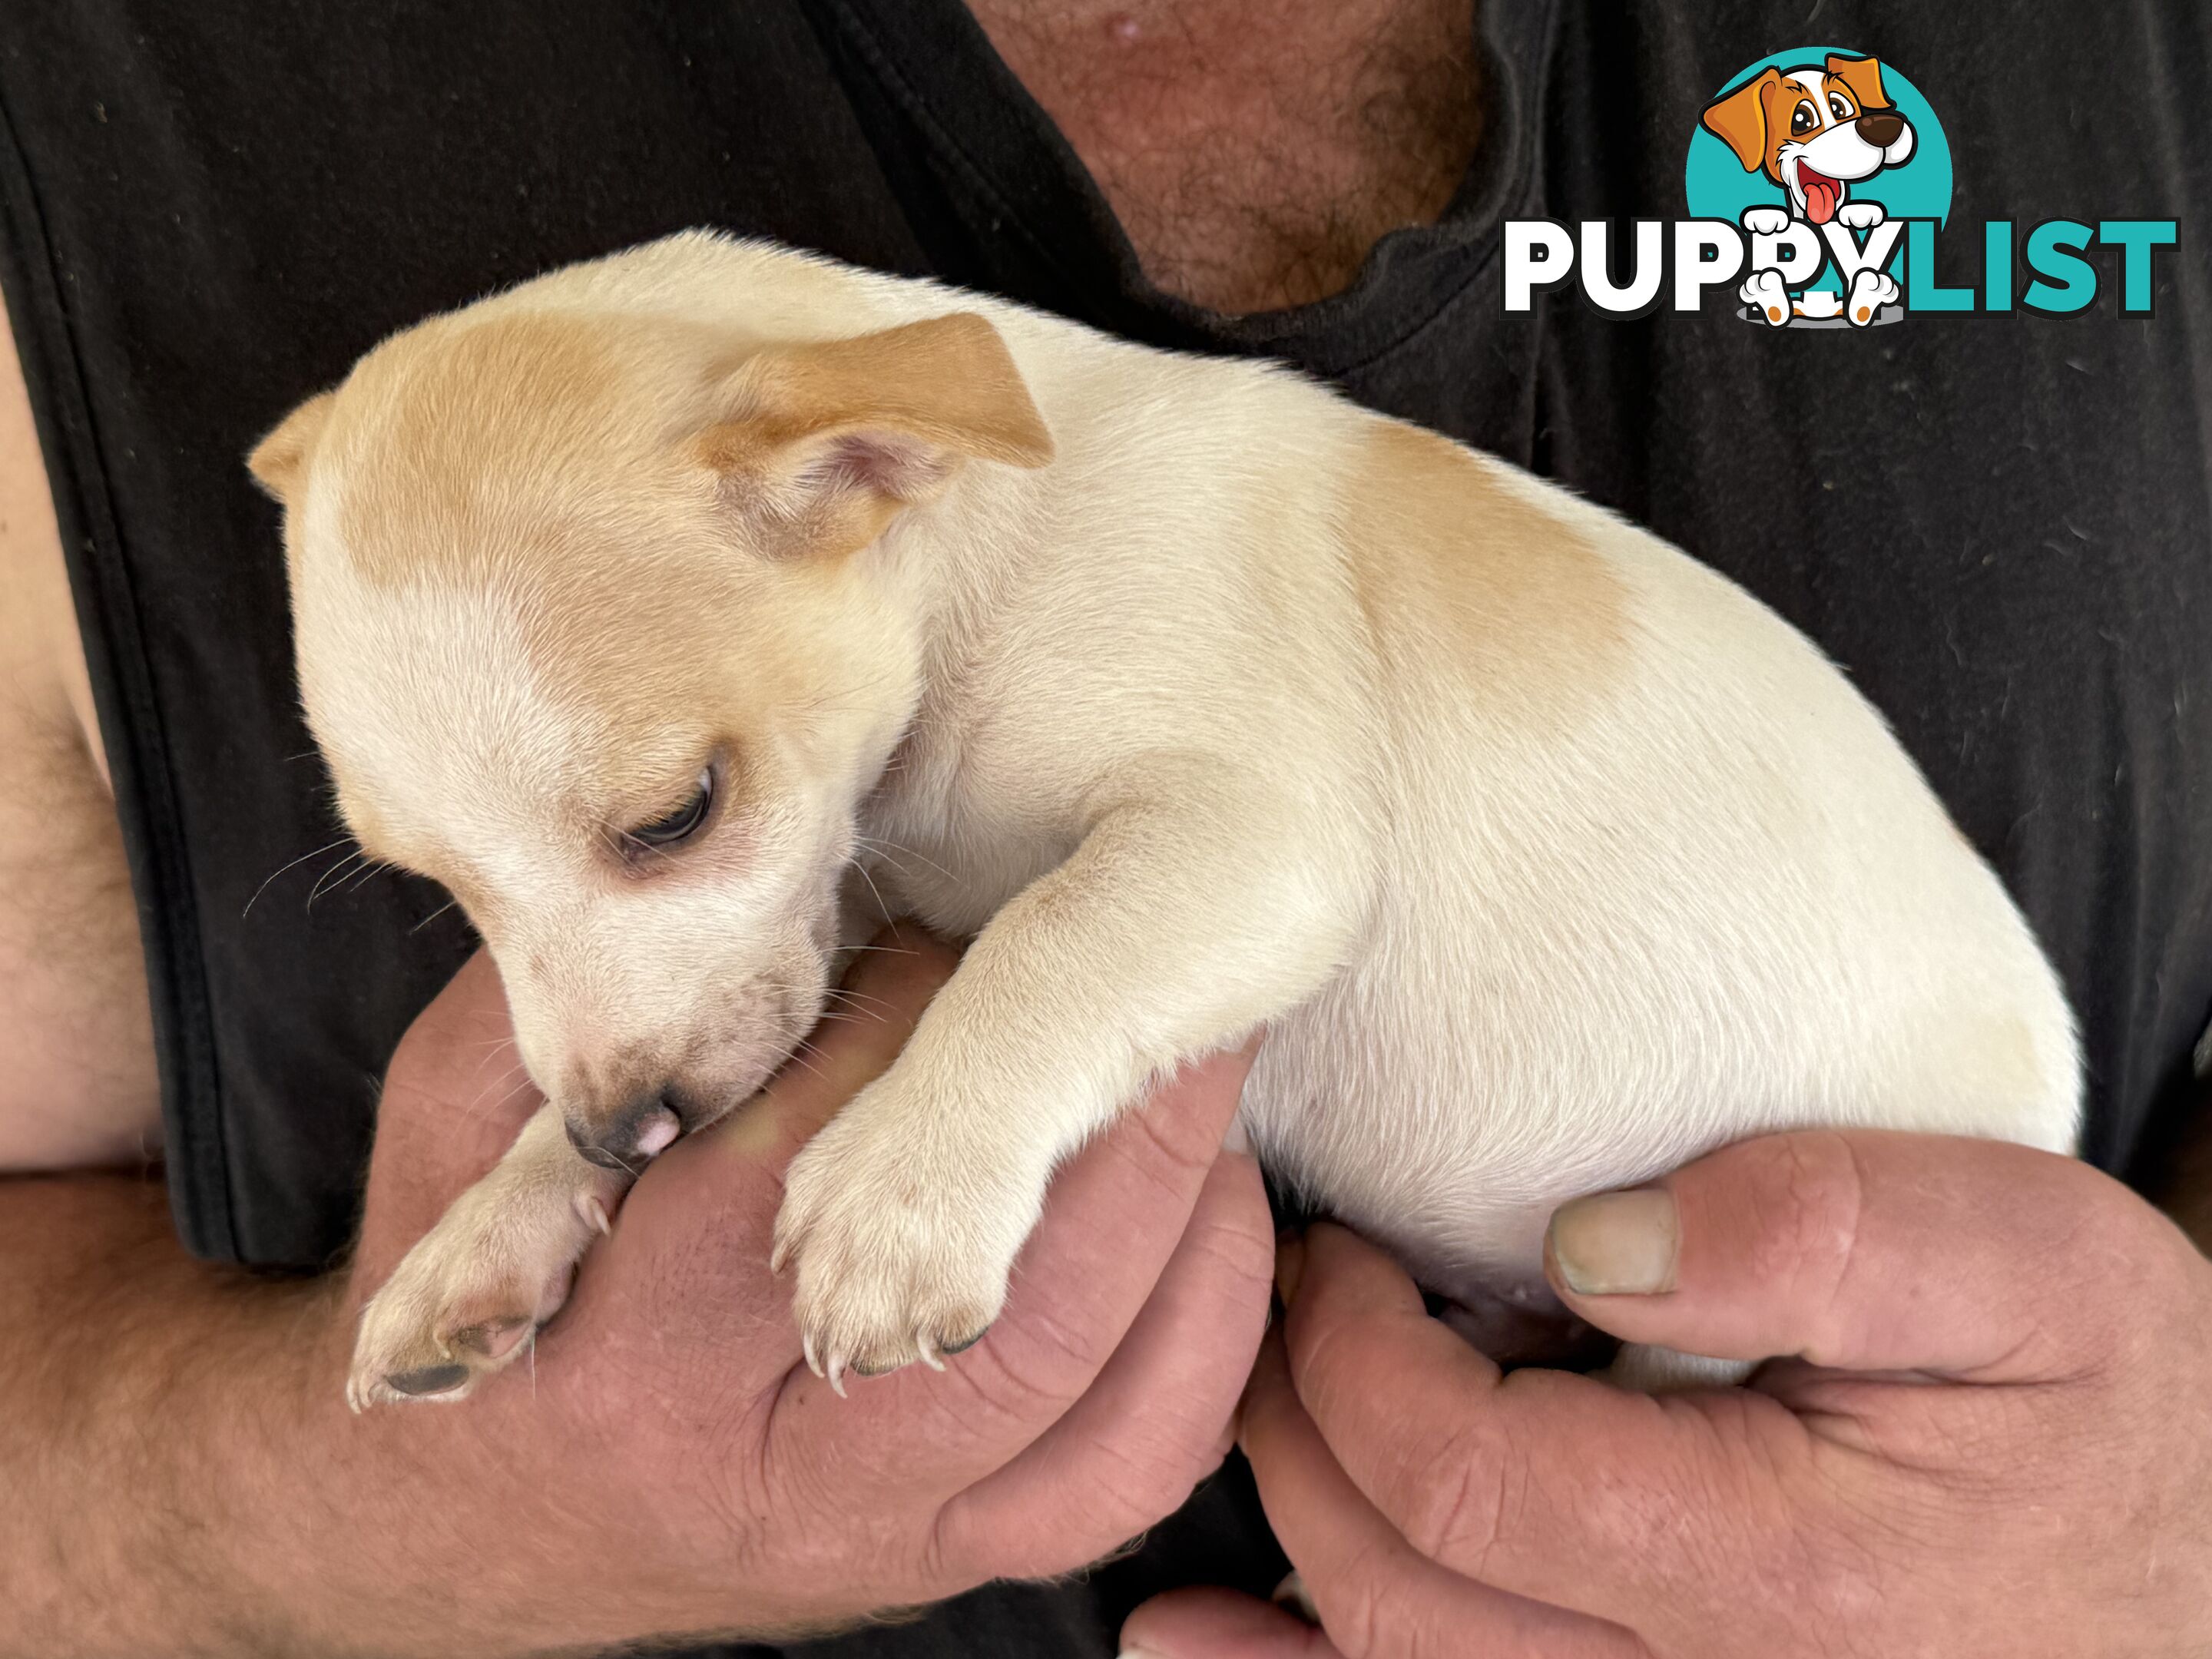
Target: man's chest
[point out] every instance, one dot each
(1253, 154)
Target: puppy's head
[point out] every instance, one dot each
(1813, 130)
(609, 624)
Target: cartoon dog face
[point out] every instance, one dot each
(1813, 130)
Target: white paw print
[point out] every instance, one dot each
(1764, 289)
(1870, 291)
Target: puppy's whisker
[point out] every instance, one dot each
(373, 868)
(876, 890)
(797, 1057)
(337, 872)
(331, 847)
(432, 916)
(504, 1078)
(889, 847)
(484, 1109)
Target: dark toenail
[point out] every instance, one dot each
(431, 1379)
(963, 1346)
(601, 1157)
(885, 1370)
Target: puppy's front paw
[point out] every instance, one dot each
(467, 1298)
(1765, 221)
(902, 1239)
(1861, 215)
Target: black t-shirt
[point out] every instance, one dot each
(1998, 525)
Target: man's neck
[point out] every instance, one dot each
(1255, 152)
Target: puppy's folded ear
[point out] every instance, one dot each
(1862, 75)
(828, 441)
(1739, 120)
(279, 461)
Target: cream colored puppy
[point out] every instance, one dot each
(638, 604)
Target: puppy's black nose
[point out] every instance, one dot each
(631, 1138)
(1880, 127)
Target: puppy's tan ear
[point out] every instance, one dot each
(279, 461)
(834, 437)
(1862, 75)
(1739, 120)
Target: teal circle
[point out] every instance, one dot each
(1715, 186)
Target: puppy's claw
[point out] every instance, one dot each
(836, 1375)
(594, 1215)
(430, 1381)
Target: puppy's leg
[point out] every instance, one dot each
(466, 1298)
(1662, 1371)
(1171, 931)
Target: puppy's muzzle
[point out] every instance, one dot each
(1880, 127)
(632, 1136)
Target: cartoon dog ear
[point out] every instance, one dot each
(830, 440)
(1739, 120)
(279, 461)
(1862, 75)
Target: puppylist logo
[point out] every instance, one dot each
(1819, 187)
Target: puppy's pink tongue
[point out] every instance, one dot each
(659, 1130)
(1821, 194)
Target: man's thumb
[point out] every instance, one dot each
(1860, 1250)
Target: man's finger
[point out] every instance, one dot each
(1557, 1487)
(1378, 1595)
(1155, 1420)
(1865, 1250)
(1220, 1624)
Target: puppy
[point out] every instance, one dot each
(1816, 132)
(643, 602)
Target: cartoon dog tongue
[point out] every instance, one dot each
(1821, 194)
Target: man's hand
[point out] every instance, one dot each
(184, 1475)
(1992, 1438)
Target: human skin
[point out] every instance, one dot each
(184, 1476)
(1991, 1438)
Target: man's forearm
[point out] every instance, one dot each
(170, 1488)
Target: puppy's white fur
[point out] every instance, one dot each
(1550, 857)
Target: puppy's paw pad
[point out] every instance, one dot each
(1763, 291)
(463, 1303)
(403, 1353)
(1870, 291)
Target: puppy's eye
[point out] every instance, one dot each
(1804, 117)
(1839, 107)
(681, 823)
